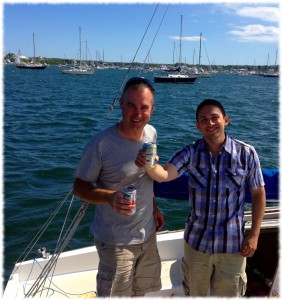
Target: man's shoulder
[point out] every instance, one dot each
(242, 144)
(150, 130)
(101, 135)
(150, 127)
(198, 144)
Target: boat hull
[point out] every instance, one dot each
(78, 71)
(34, 67)
(270, 75)
(184, 79)
(76, 270)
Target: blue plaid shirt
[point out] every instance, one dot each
(217, 193)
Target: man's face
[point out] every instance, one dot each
(211, 122)
(137, 107)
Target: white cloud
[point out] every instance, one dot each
(265, 13)
(256, 33)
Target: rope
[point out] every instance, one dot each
(56, 289)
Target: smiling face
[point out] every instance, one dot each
(137, 108)
(211, 123)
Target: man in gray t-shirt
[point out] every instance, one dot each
(106, 168)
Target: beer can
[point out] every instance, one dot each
(150, 150)
(129, 193)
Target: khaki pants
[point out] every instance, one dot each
(129, 270)
(223, 273)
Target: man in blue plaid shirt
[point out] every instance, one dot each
(220, 168)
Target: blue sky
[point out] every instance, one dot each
(242, 33)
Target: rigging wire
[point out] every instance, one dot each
(207, 54)
(153, 41)
(130, 66)
(55, 288)
(62, 230)
(31, 245)
(37, 285)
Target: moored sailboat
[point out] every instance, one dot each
(33, 64)
(79, 69)
(175, 78)
(178, 76)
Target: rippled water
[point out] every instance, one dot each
(49, 117)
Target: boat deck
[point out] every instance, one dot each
(76, 270)
(83, 284)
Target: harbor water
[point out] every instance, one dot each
(49, 117)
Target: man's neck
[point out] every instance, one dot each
(215, 145)
(132, 135)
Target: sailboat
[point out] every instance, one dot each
(271, 72)
(178, 76)
(200, 72)
(29, 65)
(78, 69)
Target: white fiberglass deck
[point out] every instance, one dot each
(75, 273)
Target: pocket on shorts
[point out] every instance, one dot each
(184, 267)
(185, 282)
(104, 283)
(243, 284)
(99, 244)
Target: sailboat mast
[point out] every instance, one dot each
(33, 47)
(200, 51)
(173, 53)
(180, 42)
(79, 46)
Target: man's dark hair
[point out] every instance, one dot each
(212, 102)
(137, 81)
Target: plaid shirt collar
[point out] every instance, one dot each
(227, 146)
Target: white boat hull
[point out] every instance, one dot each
(78, 70)
(75, 273)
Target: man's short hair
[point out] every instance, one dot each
(137, 81)
(212, 102)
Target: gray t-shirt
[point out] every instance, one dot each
(109, 162)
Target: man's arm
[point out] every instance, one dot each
(87, 192)
(164, 173)
(158, 173)
(258, 209)
(158, 216)
(250, 242)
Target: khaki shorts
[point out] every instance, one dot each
(223, 273)
(128, 270)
